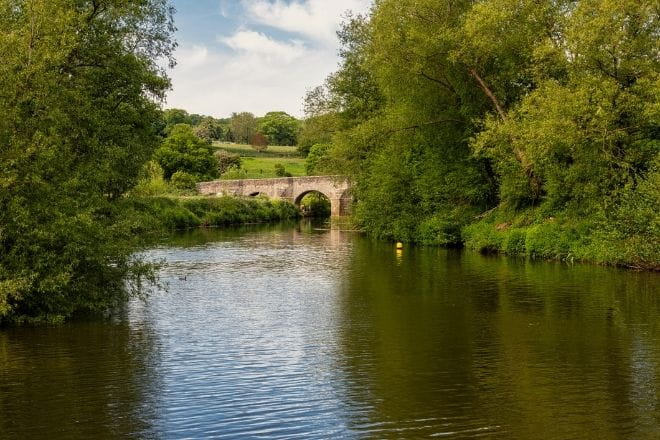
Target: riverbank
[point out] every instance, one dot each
(153, 214)
(586, 240)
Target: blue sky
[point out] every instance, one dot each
(254, 55)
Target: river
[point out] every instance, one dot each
(295, 332)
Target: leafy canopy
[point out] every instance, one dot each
(79, 86)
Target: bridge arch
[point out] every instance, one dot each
(316, 207)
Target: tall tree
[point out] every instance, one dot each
(79, 86)
(243, 126)
(280, 128)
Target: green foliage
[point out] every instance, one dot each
(209, 130)
(161, 213)
(184, 181)
(317, 130)
(79, 121)
(243, 126)
(183, 151)
(280, 128)
(151, 181)
(544, 111)
(317, 159)
(280, 171)
(440, 231)
(315, 205)
(227, 161)
(515, 242)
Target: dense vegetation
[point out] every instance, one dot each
(79, 81)
(529, 127)
(275, 128)
(157, 214)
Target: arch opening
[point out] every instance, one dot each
(258, 194)
(314, 204)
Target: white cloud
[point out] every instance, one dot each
(217, 83)
(253, 71)
(315, 19)
(259, 44)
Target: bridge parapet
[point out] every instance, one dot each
(292, 189)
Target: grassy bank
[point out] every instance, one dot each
(565, 239)
(151, 214)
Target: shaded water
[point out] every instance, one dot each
(284, 332)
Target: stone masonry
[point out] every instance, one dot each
(292, 189)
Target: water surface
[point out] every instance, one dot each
(294, 332)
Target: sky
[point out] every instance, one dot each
(254, 55)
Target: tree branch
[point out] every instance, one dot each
(489, 93)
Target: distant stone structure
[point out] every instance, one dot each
(292, 189)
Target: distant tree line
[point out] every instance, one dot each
(274, 128)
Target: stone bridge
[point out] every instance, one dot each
(292, 189)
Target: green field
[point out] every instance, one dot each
(247, 151)
(264, 167)
(261, 165)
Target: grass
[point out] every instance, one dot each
(264, 168)
(273, 151)
(261, 165)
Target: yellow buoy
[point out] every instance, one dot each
(399, 245)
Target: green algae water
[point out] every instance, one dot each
(295, 332)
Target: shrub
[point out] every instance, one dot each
(514, 242)
(440, 231)
(151, 181)
(280, 171)
(483, 237)
(183, 151)
(548, 240)
(227, 161)
(184, 181)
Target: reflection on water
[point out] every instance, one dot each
(290, 331)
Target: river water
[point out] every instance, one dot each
(295, 332)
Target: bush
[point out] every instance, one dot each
(514, 242)
(183, 151)
(156, 213)
(280, 171)
(316, 158)
(439, 231)
(151, 181)
(227, 161)
(483, 237)
(184, 181)
(549, 240)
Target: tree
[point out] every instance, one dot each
(243, 126)
(208, 130)
(183, 151)
(79, 83)
(526, 110)
(280, 128)
(259, 142)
